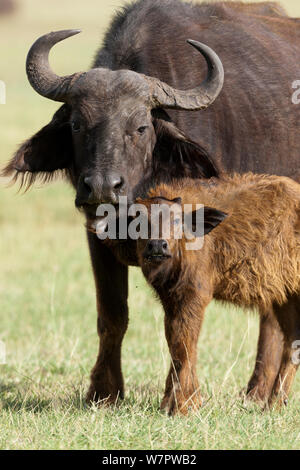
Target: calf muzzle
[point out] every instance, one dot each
(156, 250)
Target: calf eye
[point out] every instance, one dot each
(76, 126)
(142, 129)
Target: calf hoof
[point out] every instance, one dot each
(177, 403)
(277, 402)
(100, 397)
(259, 393)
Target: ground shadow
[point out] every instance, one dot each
(19, 397)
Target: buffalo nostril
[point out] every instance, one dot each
(87, 183)
(165, 245)
(117, 182)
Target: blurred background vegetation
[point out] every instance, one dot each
(48, 315)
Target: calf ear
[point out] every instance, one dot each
(49, 150)
(178, 156)
(212, 218)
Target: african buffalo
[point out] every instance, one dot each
(112, 134)
(250, 227)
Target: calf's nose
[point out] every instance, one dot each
(156, 248)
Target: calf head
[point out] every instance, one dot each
(112, 132)
(163, 254)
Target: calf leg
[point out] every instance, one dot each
(285, 378)
(111, 280)
(269, 353)
(289, 319)
(182, 328)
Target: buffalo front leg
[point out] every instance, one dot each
(286, 375)
(111, 279)
(269, 353)
(289, 319)
(182, 328)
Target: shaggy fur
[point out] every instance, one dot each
(251, 259)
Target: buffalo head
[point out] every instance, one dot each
(112, 131)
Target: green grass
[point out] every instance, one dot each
(48, 315)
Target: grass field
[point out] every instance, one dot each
(48, 316)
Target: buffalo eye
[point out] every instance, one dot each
(141, 130)
(76, 126)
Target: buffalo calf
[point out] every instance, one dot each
(250, 257)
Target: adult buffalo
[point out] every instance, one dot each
(112, 133)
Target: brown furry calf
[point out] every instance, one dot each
(250, 257)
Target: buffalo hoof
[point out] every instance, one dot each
(178, 403)
(259, 393)
(277, 402)
(100, 397)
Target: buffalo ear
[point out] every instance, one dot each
(178, 156)
(212, 218)
(48, 150)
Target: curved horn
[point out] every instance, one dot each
(39, 73)
(197, 98)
